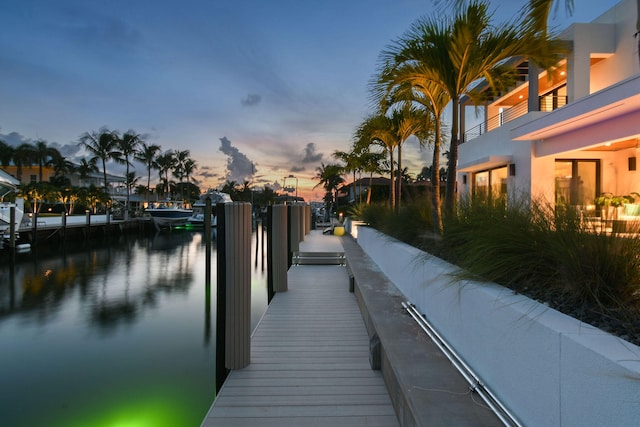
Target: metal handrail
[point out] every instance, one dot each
(474, 381)
(547, 103)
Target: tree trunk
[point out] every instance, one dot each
(399, 179)
(450, 195)
(393, 186)
(436, 207)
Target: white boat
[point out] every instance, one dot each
(197, 219)
(9, 184)
(168, 213)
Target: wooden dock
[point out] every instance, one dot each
(309, 357)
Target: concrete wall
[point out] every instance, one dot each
(548, 368)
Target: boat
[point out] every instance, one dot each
(168, 213)
(9, 184)
(197, 219)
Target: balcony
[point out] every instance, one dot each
(547, 103)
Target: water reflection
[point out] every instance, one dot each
(128, 314)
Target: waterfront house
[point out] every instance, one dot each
(568, 136)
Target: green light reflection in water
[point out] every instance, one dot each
(137, 408)
(115, 336)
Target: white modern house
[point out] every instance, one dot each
(569, 136)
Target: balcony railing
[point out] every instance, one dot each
(547, 103)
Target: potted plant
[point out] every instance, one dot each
(610, 204)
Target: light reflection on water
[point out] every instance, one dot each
(116, 335)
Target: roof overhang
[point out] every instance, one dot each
(602, 107)
(485, 163)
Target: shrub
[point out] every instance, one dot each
(545, 252)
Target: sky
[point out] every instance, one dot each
(256, 90)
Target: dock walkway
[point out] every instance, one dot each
(309, 357)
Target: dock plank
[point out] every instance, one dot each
(309, 358)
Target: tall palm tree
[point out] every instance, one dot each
(378, 129)
(42, 155)
(405, 82)
(330, 178)
(183, 167)
(22, 156)
(165, 164)
(128, 145)
(351, 163)
(103, 145)
(455, 53)
(407, 121)
(6, 153)
(147, 154)
(85, 168)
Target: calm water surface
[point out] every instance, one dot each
(115, 335)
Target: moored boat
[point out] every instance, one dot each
(168, 213)
(8, 184)
(197, 219)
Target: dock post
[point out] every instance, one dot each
(63, 220)
(207, 274)
(235, 261)
(88, 224)
(34, 227)
(12, 228)
(293, 232)
(307, 219)
(278, 261)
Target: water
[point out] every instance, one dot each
(116, 335)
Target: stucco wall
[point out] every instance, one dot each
(548, 368)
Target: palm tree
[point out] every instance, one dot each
(330, 178)
(85, 168)
(102, 145)
(22, 156)
(454, 54)
(6, 153)
(352, 163)
(378, 129)
(147, 155)
(165, 163)
(128, 145)
(42, 155)
(405, 82)
(407, 120)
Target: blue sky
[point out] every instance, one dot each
(255, 89)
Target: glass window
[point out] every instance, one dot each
(577, 181)
(491, 184)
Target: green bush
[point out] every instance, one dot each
(533, 248)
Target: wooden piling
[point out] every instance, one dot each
(12, 228)
(278, 255)
(237, 281)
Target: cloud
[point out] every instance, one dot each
(297, 168)
(14, 139)
(70, 151)
(310, 155)
(239, 167)
(251, 100)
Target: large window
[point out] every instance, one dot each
(491, 184)
(577, 181)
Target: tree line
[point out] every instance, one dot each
(436, 63)
(175, 169)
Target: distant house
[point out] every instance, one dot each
(356, 191)
(567, 136)
(29, 174)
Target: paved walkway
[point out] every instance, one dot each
(309, 358)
